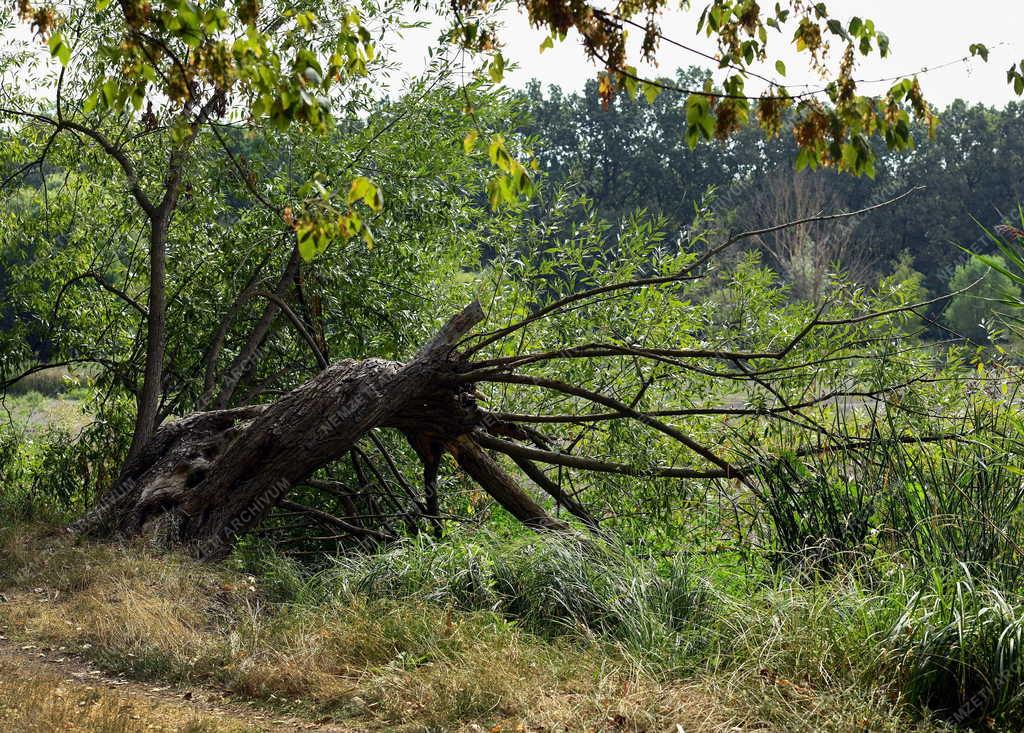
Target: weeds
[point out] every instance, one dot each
(551, 586)
(408, 649)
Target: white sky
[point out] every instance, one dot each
(923, 33)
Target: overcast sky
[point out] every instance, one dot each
(923, 34)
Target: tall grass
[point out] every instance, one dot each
(956, 650)
(873, 636)
(935, 503)
(47, 382)
(552, 586)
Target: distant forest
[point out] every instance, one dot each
(633, 155)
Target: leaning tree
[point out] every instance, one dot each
(171, 96)
(212, 475)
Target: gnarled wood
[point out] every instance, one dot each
(204, 479)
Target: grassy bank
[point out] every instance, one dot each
(455, 635)
(485, 629)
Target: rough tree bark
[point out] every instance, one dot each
(204, 479)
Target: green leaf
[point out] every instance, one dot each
(59, 48)
(365, 190)
(780, 67)
(498, 154)
(651, 92)
(497, 68)
(630, 82)
(700, 123)
(307, 245)
(883, 45)
(109, 91)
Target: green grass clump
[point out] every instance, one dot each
(957, 650)
(876, 638)
(551, 585)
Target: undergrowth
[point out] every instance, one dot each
(543, 633)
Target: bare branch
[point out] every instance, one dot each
(518, 451)
(620, 407)
(333, 520)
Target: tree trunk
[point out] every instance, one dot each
(202, 480)
(490, 475)
(149, 398)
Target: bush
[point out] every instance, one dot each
(973, 314)
(54, 475)
(36, 480)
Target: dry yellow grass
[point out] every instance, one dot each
(376, 665)
(37, 701)
(362, 664)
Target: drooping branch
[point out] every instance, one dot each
(555, 491)
(595, 350)
(241, 363)
(334, 521)
(620, 407)
(213, 351)
(517, 451)
(394, 470)
(502, 487)
(703, 411)
(102, 282)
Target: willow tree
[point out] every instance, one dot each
(146, 86)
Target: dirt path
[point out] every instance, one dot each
(28, 671)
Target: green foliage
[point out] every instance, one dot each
(897, 478)
(381, 300)
(910, 284)
(551, 586)
(174, 70)
(957, 651)
(56, 472)
(974, 314)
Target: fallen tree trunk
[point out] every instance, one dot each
(204, 479)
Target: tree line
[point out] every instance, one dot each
(631, 154)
